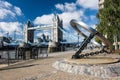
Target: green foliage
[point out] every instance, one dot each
(109, 19)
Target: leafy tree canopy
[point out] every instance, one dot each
(109, 19)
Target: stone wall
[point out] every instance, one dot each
(99, 70)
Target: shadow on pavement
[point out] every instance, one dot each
(16, 67)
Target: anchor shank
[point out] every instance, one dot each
(83, 45)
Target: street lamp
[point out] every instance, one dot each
(7, 34)
(14, 35)
(78, 37)
(8, 50)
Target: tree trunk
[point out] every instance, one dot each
(115, 42)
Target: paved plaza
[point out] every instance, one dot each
(42, 69)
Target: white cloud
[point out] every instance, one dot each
(10, 26)
(39, 34)
(91, 4)
(45, 19)
(67, 16)
(71, 11)
(60, 7)
(7, 10)
(5, 4)
(8, 14)
(69, 7)
(4, 13)
(18, 11)
(93, 17)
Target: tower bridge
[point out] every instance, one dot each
(56, 32)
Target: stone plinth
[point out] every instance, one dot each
(100, 67)
(52, 47)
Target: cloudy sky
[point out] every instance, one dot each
(15, 13)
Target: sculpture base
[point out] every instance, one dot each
(92, 60)
(103, 67)
(52, 47)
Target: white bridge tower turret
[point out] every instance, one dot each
(28, 34)
(57, 33)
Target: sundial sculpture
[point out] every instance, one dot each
(93, 33)
(90, 65)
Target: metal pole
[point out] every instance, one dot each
(78, 37)
(8, 55)
(8, 50)
(15, 35)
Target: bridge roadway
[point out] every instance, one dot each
(45, 27)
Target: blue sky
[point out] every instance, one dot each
(14, 13)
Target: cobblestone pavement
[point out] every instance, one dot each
(41, 69)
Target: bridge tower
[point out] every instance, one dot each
(28, 34)
(57, 33)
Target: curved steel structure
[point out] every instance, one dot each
(93, 32)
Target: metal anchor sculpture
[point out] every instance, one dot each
(93, 33)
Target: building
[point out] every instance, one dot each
(28, 34)
(100, 4)
(57, 33)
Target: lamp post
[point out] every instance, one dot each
(78, 37)
(14, 35)
(8, 50)
(7, 34)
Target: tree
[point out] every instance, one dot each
(109, 19)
